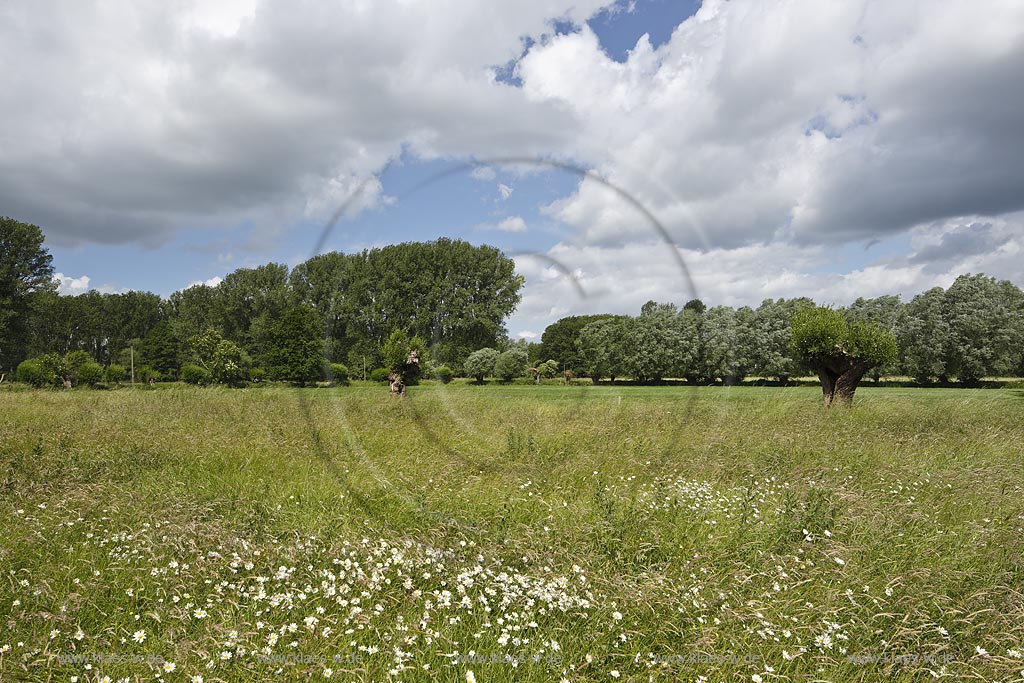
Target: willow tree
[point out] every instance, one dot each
(840, 351)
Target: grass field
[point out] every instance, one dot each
(519, 533)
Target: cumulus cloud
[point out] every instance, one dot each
(796, 121)
(512, 224)
(126, 122)
(621, 278)
(71, 285)
(766, 136)
(212, 282)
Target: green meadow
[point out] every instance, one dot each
(511, 533)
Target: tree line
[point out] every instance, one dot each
(301, 324)
(971, 330)
(333, 316)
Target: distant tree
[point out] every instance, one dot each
(26, 271)
(771, 352)
(511, 363)
(925, 337)
(839, 351)
(658, 343)
(560, 341)
(403, 356)
(248, 295)
(221, 358)
(985, 327)
(548, 368)
(726, 344)
(600, 347)
(160, 349)
(290, 346)
(888, 313)
(695, 305)
(480, 364)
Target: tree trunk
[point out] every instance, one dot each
(839, 382)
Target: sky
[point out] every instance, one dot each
(731, 150)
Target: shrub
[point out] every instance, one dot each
(379, 375)
(89, 373)
(53, 366)
(147, 373)
(74, 360)
(443, 374)
(195, 374)
(337, 373)
(116, 373)
(257, 374)
(33, 372)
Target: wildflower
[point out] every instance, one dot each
(982, 652)
(106, 679)
(614, 673)
(328, 673)
(470, 678)
(54, 633)
(617, 616)
(169, 667)
(79, 634)
(199, 613)
(139, 636)
(756, 678)
(196, 679)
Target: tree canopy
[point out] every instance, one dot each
(838, 350)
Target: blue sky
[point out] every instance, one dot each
(794, 149)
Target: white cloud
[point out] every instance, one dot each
(796, 121)
(621, 278)
(212, 282)
(130, 122)
(71, 285)
(527, 334)
(765, 136)
(512, 224)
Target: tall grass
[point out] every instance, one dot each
(520, 533)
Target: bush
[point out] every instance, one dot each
(379, 375)
(33, 372)
(146, 373)
(74, 360)
(116, 373)
(337, 373)
(89, 374)
(194, 374)
(256, 374)
(443, 374)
